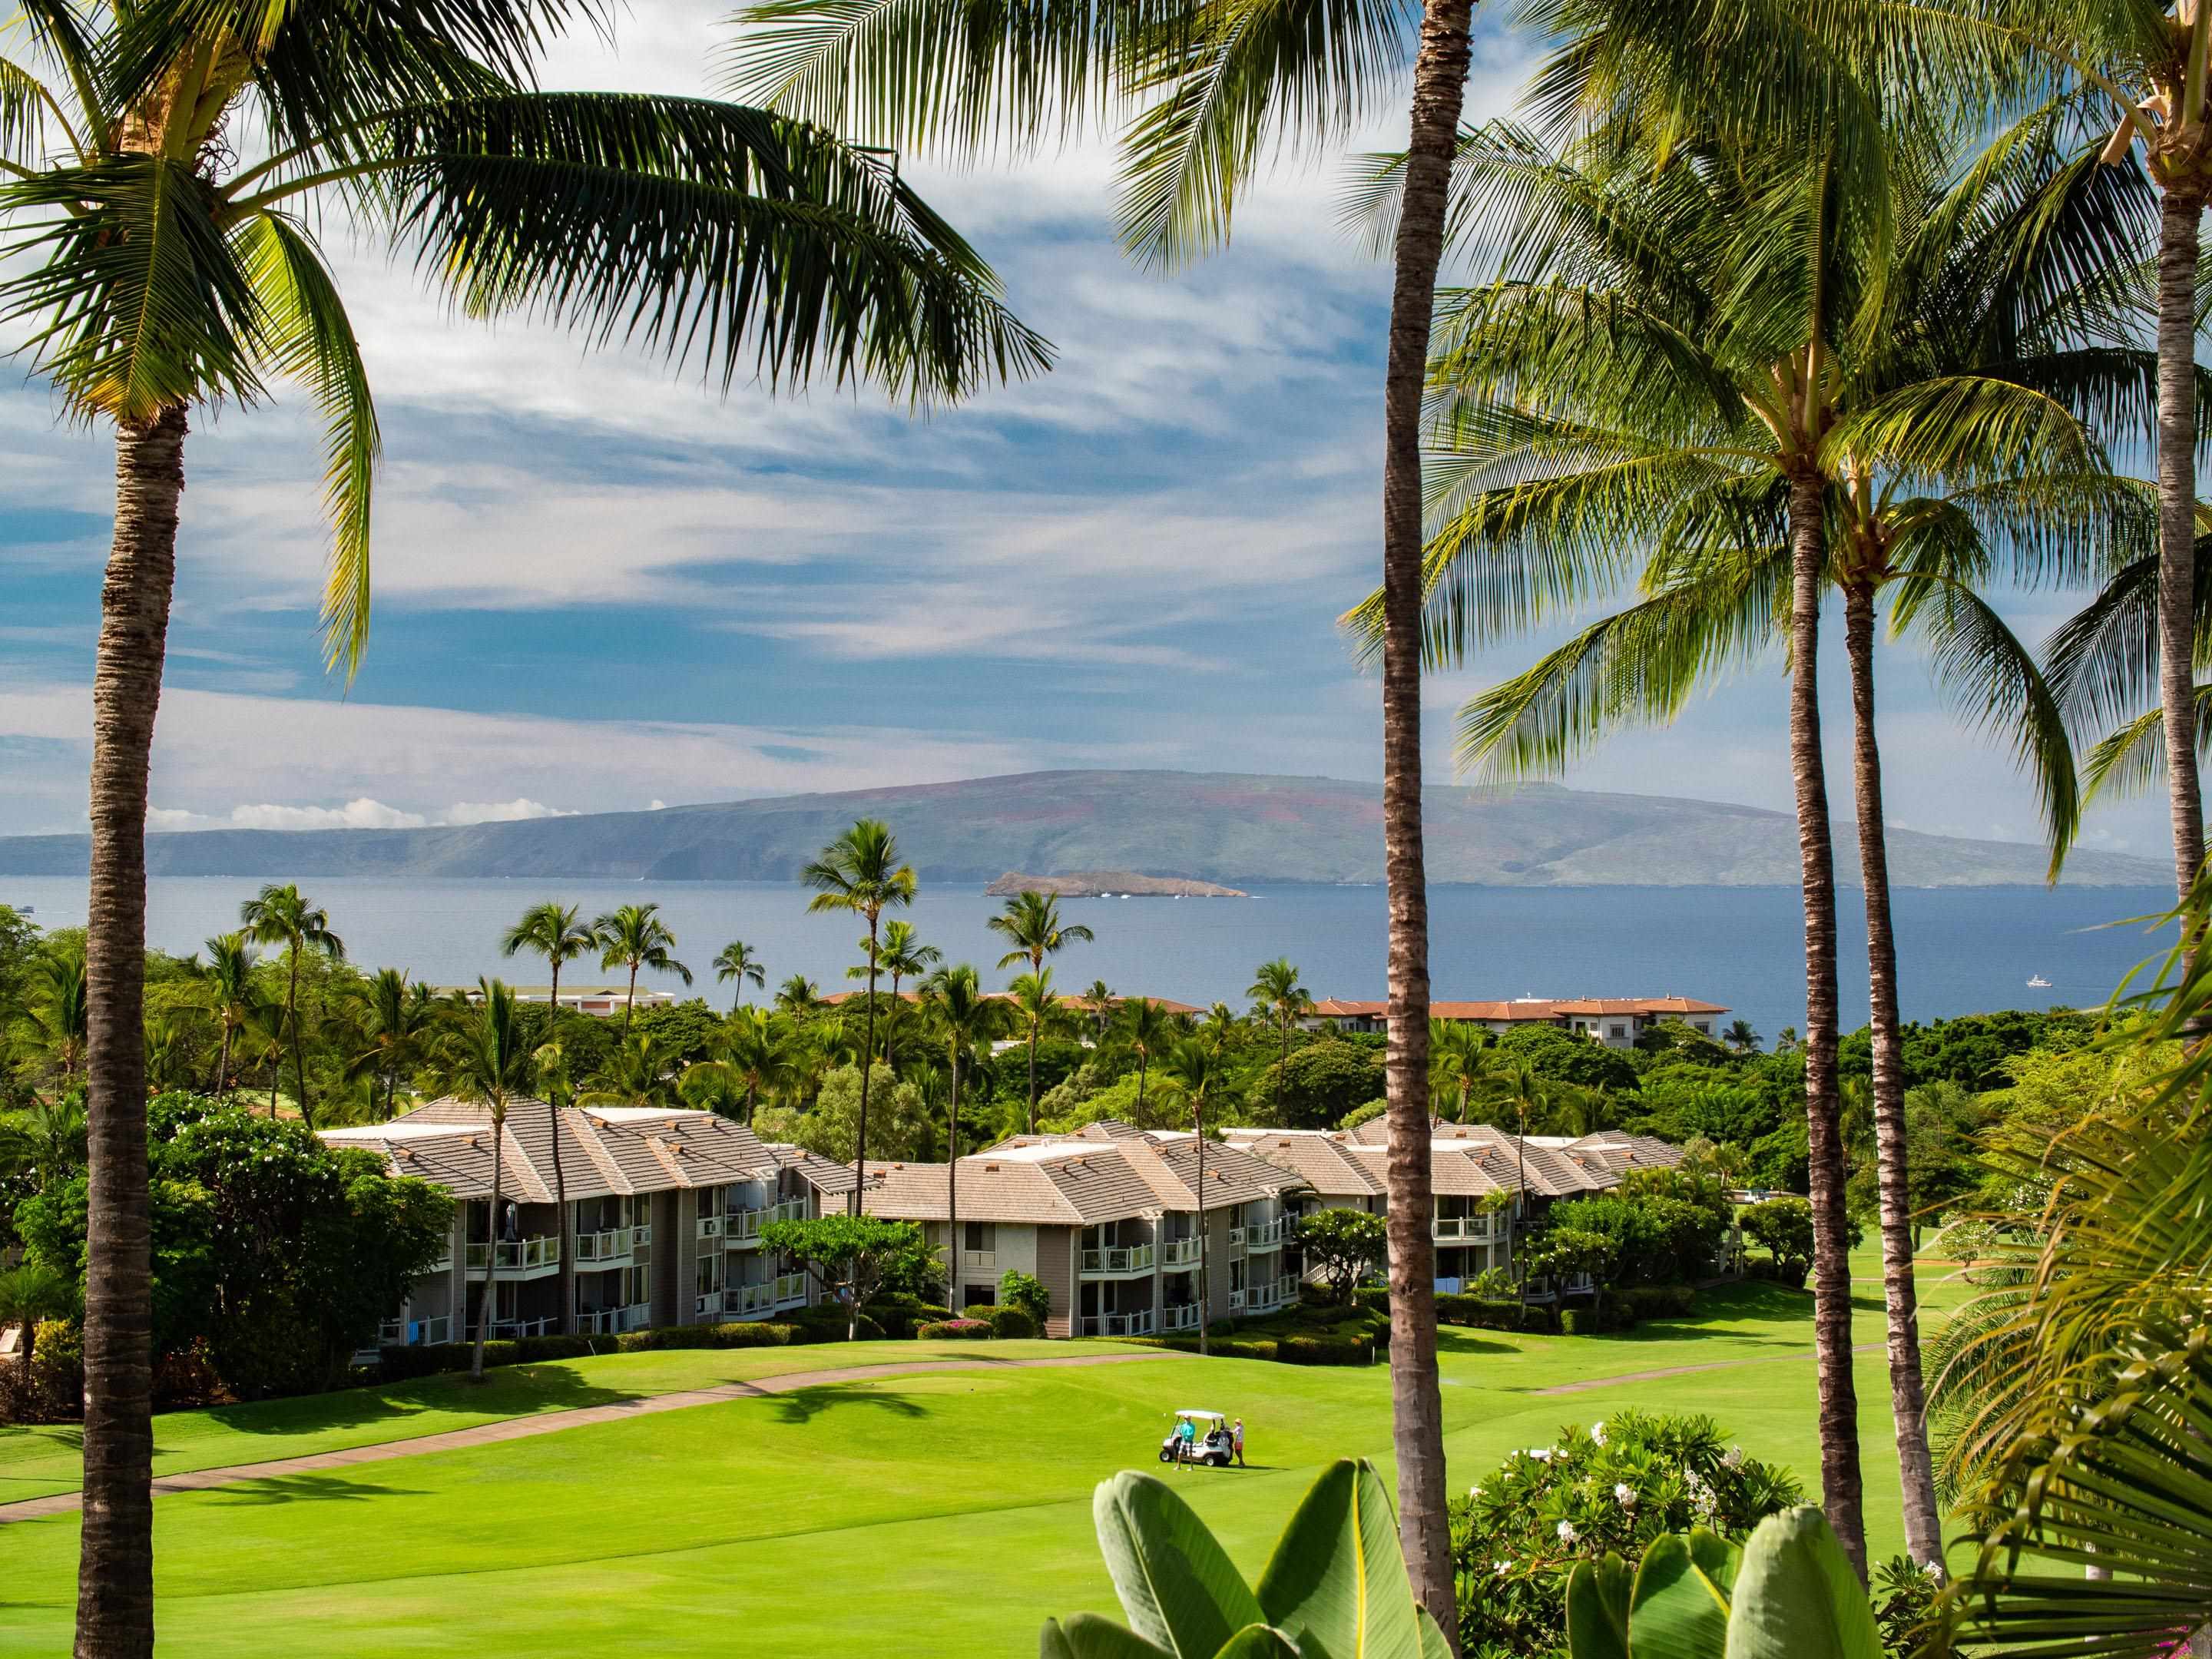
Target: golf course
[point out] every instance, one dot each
(916, 1512)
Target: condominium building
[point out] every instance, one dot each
(1615, 1022)
(665, 1209)
(1109, 1220)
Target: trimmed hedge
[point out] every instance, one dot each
(1010, 1323)
(1482, 1313)
(826, 1321)
(1297, 1350)
(444, 1358)
(956, 1330)
(1660, 1301)
(734, 1335)
(901, 1316)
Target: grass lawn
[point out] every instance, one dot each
(942, 1514)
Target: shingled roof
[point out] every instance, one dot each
(1076, 1181)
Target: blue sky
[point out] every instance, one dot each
(601, 586)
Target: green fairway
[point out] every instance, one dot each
(939, 1514)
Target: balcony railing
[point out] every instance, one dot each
(1117, 1259)
(711, 1226)
(979, 1258)
(1239, 1300)
(1118, 1324)
(742, 1227)
(1264, 1235)
(613, 1322)
(506, 1330)
(1236, 1238)
(1477, 1229)
(608, 1244)
(1179, 1316)
(518, 1254)
(1179, 1252)
(641, 1236)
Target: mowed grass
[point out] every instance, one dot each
(938, 1514)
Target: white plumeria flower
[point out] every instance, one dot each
(1474, 1491)
(1567, 1534)
(1597, 1433)
(1733, 1458)
(1503, 1567)
(1624, 1494)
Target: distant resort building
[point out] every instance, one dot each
(604, 1000)
(1616, 1021)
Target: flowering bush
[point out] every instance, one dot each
(1614, 1486)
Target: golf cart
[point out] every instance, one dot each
(1210, 1445)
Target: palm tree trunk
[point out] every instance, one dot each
(1141, 1088)
(565, 1281)
(867, 1065)
(115, 1566)
(952, 1197)
(1033, 1088)
(1205, 1285)
(1840, 1485)
(2178, 253)
(630, 1004)
(299, 1058)
(222, 1061)
(491, 1251)
(1416, 1400)
(1908, 1395)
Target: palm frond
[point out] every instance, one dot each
(2133, 758)
(304, 334)
(139, 304)
(705, 229)
(22, 115)
(2103, 661)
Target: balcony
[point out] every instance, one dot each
(711, 1226)
(741, 1228)
(1117, 1324)
(1179, 1316)
(1265, 1235)
(1269, 1294)
(1465, 1229)
(1117, 1261)
(613, 1322)
(506, 1330)
(1236, 1238)
(979, 1258)
(608, 1245)
(525, 1256)
(1179, 1252)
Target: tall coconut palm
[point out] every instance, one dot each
(54, 1010)
(393, 1018)
(964, 1020)
(1098, 1001)
(1460, 1051)
(553, 931)
(279, 915)
(45, 1141)
(798, 995)
(633, 936)
(1942, 451)
(636, 1074)
(738, 962)
(860, 873)
(1147, 1030)
(1191, 1070)
(228, 986)
(1275, 989)
(1030, 923)
(904, 956)
(757, 1047)
(1039, 1012)
(486, 1059)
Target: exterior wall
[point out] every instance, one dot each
(669, 1261)
(1053, 1249)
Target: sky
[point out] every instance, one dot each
(601, 586)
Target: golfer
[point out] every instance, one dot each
(1237, 1442)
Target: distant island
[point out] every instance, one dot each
(1240, 829)
(1109, 884)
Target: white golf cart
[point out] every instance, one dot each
(1209, 1444)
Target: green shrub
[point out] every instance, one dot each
(1027, 1292)
(1660, 1301)
(1222, 1327)
(1013, 1322)
(956, 1330)
(1577, 1322)
(1480, 1312)
(826, 1321)
(734, 1335)
(901, 1316)
(1324, 1350)
(1373, 1297)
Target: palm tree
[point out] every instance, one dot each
(904, 954)
(229, 978)
(1193, 1070)
(1030, 923)
(45, 1140)
(757, 1049)
(964, 1020)
(394, 1018)
(635, 1074)
(1098, 997)
(488, 1061)
(1459, 1049)
(552, 930)
(29, 1293)
(861, 873)
(1275, 987)
(1741, 1036)
(279, 915)
(633, 936)
(738, 961)
(56, 1009)
(1038, 1011)
(1148, 1029)
(1941, 444)
(798, 995)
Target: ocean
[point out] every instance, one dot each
(1961, 949)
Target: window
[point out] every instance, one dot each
(981, 1236)
(1236, 1274)
(977, 1296)
(1619, 1032)
(710, 1272)
(641, 1285)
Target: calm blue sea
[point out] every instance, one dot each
(1963, 950)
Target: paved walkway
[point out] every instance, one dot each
(522, 1428)
(1585, 1386)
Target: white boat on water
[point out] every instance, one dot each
(2037, 983)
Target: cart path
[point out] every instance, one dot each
(1588, 1383)
(523, 1428)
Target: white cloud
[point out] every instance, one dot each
(501, 811)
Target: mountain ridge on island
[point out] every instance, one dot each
(1235, 829)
